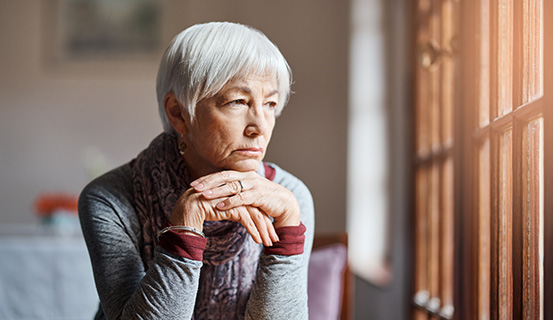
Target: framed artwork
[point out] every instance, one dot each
(89, 30)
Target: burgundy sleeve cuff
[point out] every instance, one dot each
(184, 245)
(291, 241)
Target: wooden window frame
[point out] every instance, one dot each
(467, 203)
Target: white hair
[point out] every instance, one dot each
(203, 58)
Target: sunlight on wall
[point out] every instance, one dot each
(367, 152)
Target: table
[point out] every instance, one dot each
(45, 274)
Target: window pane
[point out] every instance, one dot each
(435, 85)
(533, 222)
(504, 227)
(434, 231)
(502, 56)
(484, 231)
(484, 69)
(423, 139)
(447, 234)
(421, 235)
(529, 51)
(422, 88)
(447, 70)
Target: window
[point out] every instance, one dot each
(434, 159)
(483, 167)
(368, 208)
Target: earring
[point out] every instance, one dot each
(182, 147)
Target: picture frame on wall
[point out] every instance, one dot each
(80, 33)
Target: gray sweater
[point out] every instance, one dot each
(167, 290)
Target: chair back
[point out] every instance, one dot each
(329, 257)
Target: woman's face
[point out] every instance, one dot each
(232, 129)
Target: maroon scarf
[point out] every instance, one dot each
(230, 259)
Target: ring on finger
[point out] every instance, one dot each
(241, 186)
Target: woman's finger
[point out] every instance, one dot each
(252, 219)
(233, 189)
(240, 215)
(215, 179)
(221, 178)
(271, 228)
(247, 198)
(226, 190)
(260, 223)
(246, 220)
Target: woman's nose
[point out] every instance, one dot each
(257, 123)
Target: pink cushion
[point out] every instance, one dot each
(324, 286)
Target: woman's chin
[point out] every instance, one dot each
(245, 165)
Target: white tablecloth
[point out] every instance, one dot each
(44, 275)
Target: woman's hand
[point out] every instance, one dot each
(234, 189)
(193, 208)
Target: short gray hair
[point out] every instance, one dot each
(203, 58)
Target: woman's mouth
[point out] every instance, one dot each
(252, 152)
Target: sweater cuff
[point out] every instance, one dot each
(291, 241)
(183, 245)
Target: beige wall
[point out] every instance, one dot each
(50, 113)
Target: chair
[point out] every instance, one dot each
(329, 281)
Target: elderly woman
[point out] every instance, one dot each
(197, 226)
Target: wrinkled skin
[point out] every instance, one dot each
(226, 141)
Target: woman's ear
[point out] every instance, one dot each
(173, 109)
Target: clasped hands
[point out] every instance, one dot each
(243, 197)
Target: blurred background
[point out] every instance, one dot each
(77, 98)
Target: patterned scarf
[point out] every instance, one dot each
(231, 256)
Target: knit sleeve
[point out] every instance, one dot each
(167, 290)
(280, 289)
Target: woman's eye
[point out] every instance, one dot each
(238, 102)
(271, 105)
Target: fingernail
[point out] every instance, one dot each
(220, 205)
(207, 193)
(194, 183)
(198, 187)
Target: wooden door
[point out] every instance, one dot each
(483, 164)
